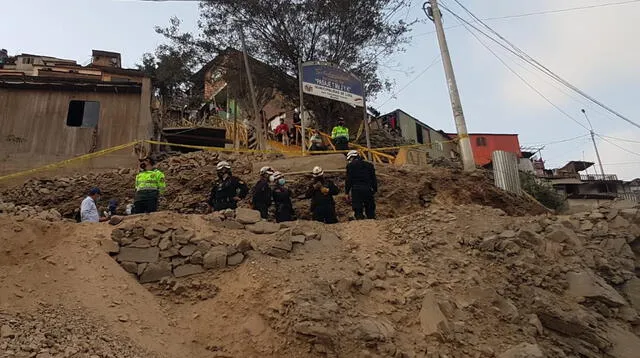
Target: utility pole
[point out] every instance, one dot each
(463, 136)
(256, 113)
(593, 139)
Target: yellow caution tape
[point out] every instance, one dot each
(214, 149)
(69, 161)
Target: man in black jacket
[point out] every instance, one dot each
(321, 192)
(227, 190)
(261, 198)
(361, 185)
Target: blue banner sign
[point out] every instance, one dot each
(326, 80)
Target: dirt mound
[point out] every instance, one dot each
(190, 177)
(465, 281)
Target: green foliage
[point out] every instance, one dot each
(541, 191)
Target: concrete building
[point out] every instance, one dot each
(436, 143)
(484, 144)
(53, 109)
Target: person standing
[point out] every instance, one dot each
(321, 192)
(361, 185)
(261, 198)
(340, 135)
(282, 199)
(88, 209)
(282, 132)
(150, 183)
(227, 190)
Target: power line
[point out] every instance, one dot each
(558, 141)
(615, 145)
(545, 12)
(435, 60)
(622, 140)
(523, 55)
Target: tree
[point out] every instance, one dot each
(354, 34)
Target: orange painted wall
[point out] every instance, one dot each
(482, 153)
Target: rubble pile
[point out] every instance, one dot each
(380, 138)
(31, 212)
(402, 190)
(153, 251)
(59, 332)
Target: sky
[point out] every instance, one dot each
(594, 49)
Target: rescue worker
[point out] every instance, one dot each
(149, 185)
(361, 185)
(282, 199)
(321, 192)
(227, 190)
(340, 135)
(261, 198)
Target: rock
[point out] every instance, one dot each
(631, 289)
(619, 223)
(275, 252)
(596, 215)
(141, 243)
(380, 330)
(139, 255)
(203, 246)
(535, 322)
(432, 320)
(155, 272)
(632, 215)
(530, 236)
(141, 268)
(507, 234)
(313, 329)
(247, 216)
(561, 234)
(624, 343)
(587, 284)
(310, 235)
(244, 245)
(216, 258)
(187, 270)
(586, 226)
(7, 332)
(283, 244)
(161, 228)
(171, 252)
(115, 220)
(109, 246)
(164, 244)
(182, 236)
(524, 350)
(600, 229)
(232, 225)
(197, 258)
(263, 227)
(575, 323)
(235, 259)
(150, 233)
(187, 250)
(298, 239)
(329, 236)
(365, 285)
(130, 267)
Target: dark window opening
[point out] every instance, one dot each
(481, 142)
(419, 137)
(83, 114)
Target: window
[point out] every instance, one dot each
(27, 60)
(84, 114)
(419, 137)
(481, 142)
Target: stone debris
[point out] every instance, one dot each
(523, 350)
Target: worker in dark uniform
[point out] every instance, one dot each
(261, 198)
(321, 192)
(282, 199)
(361, 185)
(227, 190)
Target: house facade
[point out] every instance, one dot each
(53, 109)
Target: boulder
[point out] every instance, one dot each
(139, 255)
(263, 227)
(380, 330)
(109, 246)
(561, 234)
(187, 250)
(235, 259)
(624, 343)
(164, 243)
(244, 245)
(247, 216)
(432, 320)
(298, 239)
(155, 272)
(619, 223)
(130, 267)
(215, 258)
(524, 350)
(631, 289)
(187, 270)
(197, 258)
(588, 285)
(182, 236)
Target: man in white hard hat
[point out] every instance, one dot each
(227, 190)
(321, 192)
(361, 185)
(261, 193)
(282, 199)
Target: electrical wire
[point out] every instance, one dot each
(545, 12)
(557, 141)
(522, 54)
(622, 140)
(615, 145)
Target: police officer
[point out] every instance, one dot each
(361, 185)
(340, 135)
(227, 190)
(261, 198)
(321, 192)
(149, 185)
(282, 199)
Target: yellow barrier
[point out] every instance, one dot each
(69, 161)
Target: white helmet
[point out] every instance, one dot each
(223, 165)
(275, 176)
(353, 154)
(266, 170)
(317, 172)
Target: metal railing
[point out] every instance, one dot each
(598, 177)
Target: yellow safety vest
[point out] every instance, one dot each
(340, 131)
(150, 180)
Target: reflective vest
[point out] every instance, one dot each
(150, 180)
(340, 131)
